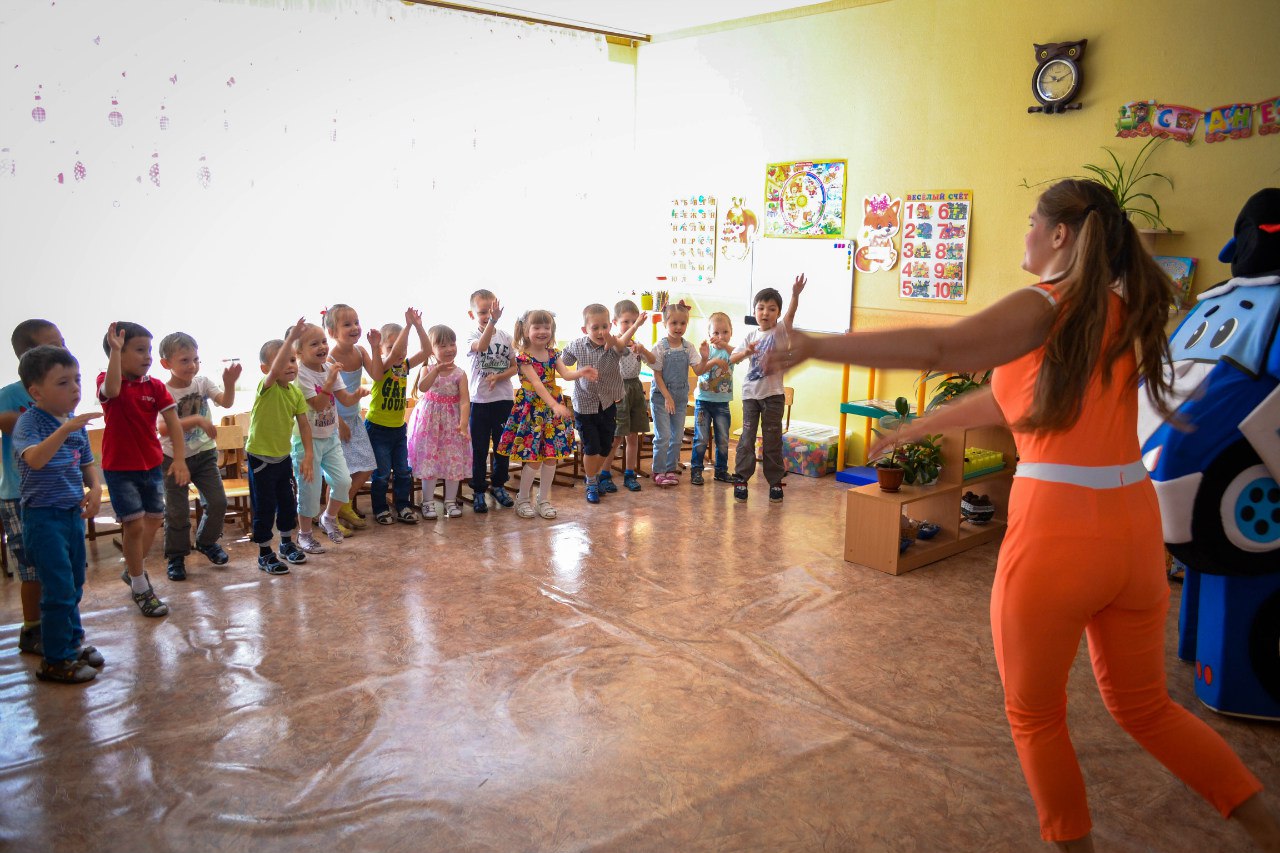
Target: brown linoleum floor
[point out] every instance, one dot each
(668, 671)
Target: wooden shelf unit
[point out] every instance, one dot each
(873, 517)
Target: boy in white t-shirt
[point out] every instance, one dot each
(762, 394)
(191, 394)
(493, 363)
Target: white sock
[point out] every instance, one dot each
(139, 583)
(526, 482)
(451, 490)
(544, 480)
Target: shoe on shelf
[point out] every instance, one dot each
(271, 564)
(332, 529)
(384, 517)
(148, 602)
(593, 493)
(308, 543)
(406, 515)
(91, 656)
(722, 477)
(454, 509)
(351, 518)
(740, 492)
(500, 495)
(292, 553)
(29, 641)
(524, 509)
(176, 570)
(629, 480)
(607, 485)
(66, 672)
(478, 503)
(215, 553)
(775, 494)
(695, 476)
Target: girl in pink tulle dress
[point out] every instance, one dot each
(439, 441)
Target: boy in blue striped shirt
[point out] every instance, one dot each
(56, 464)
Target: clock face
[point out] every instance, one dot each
(1056, 80)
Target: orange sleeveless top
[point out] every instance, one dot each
(1106, 432)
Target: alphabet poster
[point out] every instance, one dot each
(692, 259)
(935, 245)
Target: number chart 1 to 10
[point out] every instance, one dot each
(935, 245)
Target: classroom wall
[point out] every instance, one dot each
(932, 94)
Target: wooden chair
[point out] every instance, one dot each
(232, 460)
(92, 530)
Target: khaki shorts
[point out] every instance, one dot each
(633, 408)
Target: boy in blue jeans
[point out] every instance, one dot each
(711, 414)
(14, 400)
(55, 464)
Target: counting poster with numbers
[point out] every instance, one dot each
(935, 245)
(692, 260)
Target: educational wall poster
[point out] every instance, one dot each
(804, 199)
(1171, 121)
(880, 220)
(738, 230)
(692, 260)
(935, 245)
(1182, 271)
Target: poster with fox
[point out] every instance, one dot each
(880, 221)
(935, 245)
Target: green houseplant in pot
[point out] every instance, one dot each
(921, 460)
(1126, 181)
(952, 385)
(889, 471)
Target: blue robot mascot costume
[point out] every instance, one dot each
(1215, 465)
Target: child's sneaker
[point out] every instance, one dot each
(775, 494)
(176, 570)
(454, 509)
(695, 476)
(607, 485)
(308, 543)
(385, 517)
(593, 493)
(740, 492)
(478, 504)
(29, 641)
(429, 510)
(722, 477)
(500, 495)
(66, 672)
(629, 480)
(214, 553)
(292, 553)
(351, 518)
(271, 564)
(331, 529)
(407, 515)
(148, 602)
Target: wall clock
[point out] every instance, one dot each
(1057, 78)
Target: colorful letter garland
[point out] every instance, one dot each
(1171, 121)
(935, 245)
(693, 240)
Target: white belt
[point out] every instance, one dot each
(1088, 476)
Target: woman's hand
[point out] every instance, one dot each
(799, 349)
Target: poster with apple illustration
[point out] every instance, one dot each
(692, 259)
(804, 199)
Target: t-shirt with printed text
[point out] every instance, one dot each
(191, 400)
(129, 438)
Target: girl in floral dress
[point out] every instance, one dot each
(539, 432)
(439, 440)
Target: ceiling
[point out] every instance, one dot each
(638, 18)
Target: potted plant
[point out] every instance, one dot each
(952, 385)
(1123, 180)
(921, 460)
(889, 471)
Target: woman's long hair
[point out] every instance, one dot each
(1107, 251)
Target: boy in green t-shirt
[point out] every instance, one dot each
(385, 419)
(277, 404)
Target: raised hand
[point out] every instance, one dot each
(495, 313)
(374, 337)
(704, 350)
(797, 287)
(115, 339)
(643, 318)
(331, 378)
(296, 331)
(413, 317)
(231, 374)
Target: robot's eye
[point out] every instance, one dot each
(1224, 333)
(1196, 335)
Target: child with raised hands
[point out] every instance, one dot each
(711, 416)
(633, 408)
(319, 383)
(342, 324)
(385, 420)
(439, 431)
(673, 358)
(539, 432)
(493, 363)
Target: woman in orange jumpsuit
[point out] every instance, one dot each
(1084, 549)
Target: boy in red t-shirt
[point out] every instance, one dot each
(131, 453)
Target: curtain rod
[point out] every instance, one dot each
(614, 36)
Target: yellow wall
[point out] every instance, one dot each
(932, 94)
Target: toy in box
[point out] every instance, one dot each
(978, 462)
(807, 449)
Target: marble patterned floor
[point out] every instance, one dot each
(668, 671)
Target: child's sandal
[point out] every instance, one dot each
(546, 510)
(524, 509)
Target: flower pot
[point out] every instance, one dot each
(890, 479)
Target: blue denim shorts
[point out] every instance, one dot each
(136, 493)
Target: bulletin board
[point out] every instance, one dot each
(827, 303)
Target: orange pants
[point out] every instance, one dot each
(1078, 559)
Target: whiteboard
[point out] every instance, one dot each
(827, 303)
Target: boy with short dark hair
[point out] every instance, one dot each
(493, 363)
(131, 455)
(14, 400)
(277, 406)
(55, 463)
(191, 393)
(762, 394)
